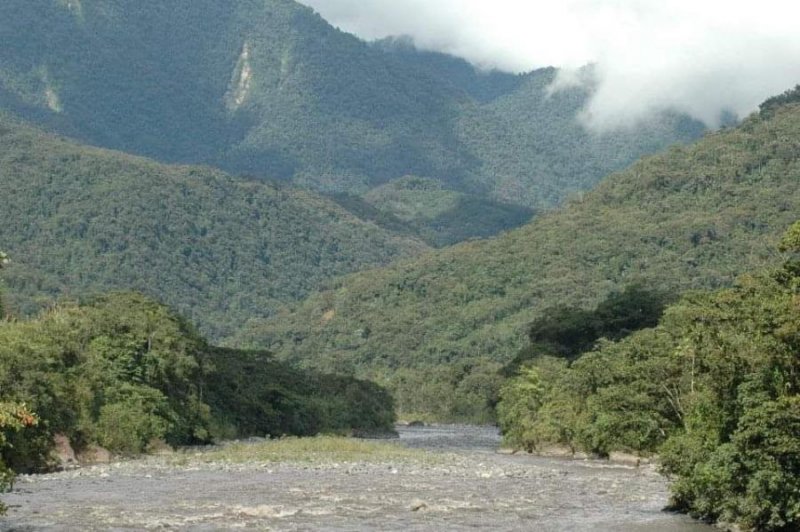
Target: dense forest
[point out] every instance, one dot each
(270, 90)
(306, 233)
(125, 373)
(436, 214)
(81, 220)
(438, 326)
(714, 389)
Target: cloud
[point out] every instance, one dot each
(702, 57)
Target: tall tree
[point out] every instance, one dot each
(3, 262)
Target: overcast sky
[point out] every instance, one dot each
(696, 56)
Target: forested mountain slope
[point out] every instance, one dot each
(269, 89)
(79, 220)
(440, 216)
(693, 217)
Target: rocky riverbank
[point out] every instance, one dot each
(445, 478)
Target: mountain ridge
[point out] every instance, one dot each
(268, 89)
(694, 217)
(81, 220)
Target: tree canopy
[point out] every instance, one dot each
(714, 390)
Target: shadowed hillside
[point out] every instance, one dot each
(79, 220)
(694, 217)
(267, 88)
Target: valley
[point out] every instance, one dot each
(237, 242)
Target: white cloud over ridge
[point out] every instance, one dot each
(701, 57)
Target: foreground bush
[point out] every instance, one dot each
(13, 418)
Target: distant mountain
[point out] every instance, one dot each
(694, 217)
(267, 88)
(79, 220)
(424, 208)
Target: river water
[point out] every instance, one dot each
(468, 486)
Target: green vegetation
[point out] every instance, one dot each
(123, 371)
(533, 150)
(714, 389)
(3, 263)
(462, 390)
(568, 332)
(81, 220)
(13, 418)
(251, 393)
(267, 88)
(790, 96)
(321, 449)
(441, 216)
(692, 218)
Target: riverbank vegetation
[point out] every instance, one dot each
(714, 390)
(318, 450)
(125, 373)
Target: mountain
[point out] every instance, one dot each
(426, 208)
(267, 88)
(693, 217)
(79, 220)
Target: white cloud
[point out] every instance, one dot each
(696, 56)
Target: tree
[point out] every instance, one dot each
(714, 390)
(3, 262)
(13, 417)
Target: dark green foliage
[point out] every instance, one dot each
(533, 150)
(3, 263)
(14, 417)
(570, 331)
(441, 216)
(481, 85)
(790, 96)
(253, 394)
(81, 220)
(268, 88)
(463, 391)
(119, 372)
(736, 189)
(714, 390)
(123, 371)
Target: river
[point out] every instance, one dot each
(467, 486)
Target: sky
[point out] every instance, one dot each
(701, 57)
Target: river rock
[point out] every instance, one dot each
(418, 505)
(63, 451)
(555, 451)
(159, 447)
(626, 459)
(94, 454)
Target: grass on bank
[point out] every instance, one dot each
(319, 449)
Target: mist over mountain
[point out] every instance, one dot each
(708, 59)
(268, 89)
